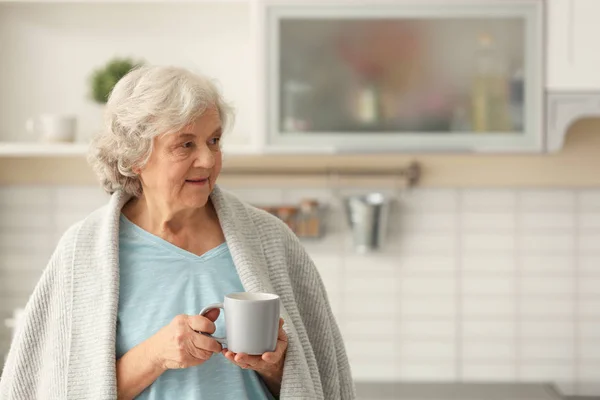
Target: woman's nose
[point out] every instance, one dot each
(204, 158)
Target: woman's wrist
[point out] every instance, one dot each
(153, 355)
(138, 369)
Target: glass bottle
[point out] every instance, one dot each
(295, 103)
(489, 91)
(517, 100)
(310, 218)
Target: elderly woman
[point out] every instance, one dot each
(115, 314)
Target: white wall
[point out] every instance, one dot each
(48, 52)
(475, 284)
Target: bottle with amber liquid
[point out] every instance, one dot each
(489, 90)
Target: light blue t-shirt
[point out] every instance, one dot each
(159, 281)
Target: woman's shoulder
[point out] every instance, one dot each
(70, 236)
(278, 241)
(267, 225)
(90, 227)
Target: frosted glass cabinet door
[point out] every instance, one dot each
(465, 76)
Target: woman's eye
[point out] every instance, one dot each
(188, 145)
(215, 141)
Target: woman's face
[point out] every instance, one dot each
(184, 166)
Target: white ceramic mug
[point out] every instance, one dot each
(53, 127)
(251, 322)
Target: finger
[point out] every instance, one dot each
(243, 358)
(231, 357)
(213, 314)
(271, 357)
(199, 354)
(200, 323)
(254, 361)
(203, 342)
(281, 346)
(282, 335)
(195, 352)
(224, 352)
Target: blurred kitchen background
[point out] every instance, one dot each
(440, 160)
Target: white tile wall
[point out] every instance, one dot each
(553, 329)
(489, 373)
(588, 296)
(547, 200)
(490, 329)
(487, 349)
(587, 309)
(488, 200)
(474, 285)
(589, 220)
(547, 265)
(488, 307)
(483, 265)
(427, 306)
(477, 221)
(427, 328)
(427, 370)
(589, 329)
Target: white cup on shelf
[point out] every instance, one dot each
(53, 127)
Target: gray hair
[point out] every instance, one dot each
(147, 102)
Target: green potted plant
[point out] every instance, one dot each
(104, 79)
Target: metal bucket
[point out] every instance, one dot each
(367, 215)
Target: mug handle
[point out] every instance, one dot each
(206, 309)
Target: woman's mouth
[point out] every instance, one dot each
(197, 182)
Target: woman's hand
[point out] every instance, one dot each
(177, 345)
(268, 365)
(180, 345)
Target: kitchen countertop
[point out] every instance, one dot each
(455, 391)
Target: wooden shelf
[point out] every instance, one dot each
(39, 149)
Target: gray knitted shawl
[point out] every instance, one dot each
(65, 347)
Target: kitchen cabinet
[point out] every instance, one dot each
(403, 76)
(573, 59)
(573, 80)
